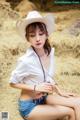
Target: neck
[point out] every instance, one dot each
(41, 52)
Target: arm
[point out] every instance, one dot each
(22, 86)
(56, 89)
(61, 92)
(43, 87)
(18, 74)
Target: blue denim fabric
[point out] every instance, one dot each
(26, 106)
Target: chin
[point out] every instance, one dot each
(39, 47)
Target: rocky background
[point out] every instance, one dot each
(65, 39)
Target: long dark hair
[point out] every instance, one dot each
(42, 27)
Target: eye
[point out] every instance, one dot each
(32, 35)
(41, 33)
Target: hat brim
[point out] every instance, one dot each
(48, 20)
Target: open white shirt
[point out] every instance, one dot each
(29, 71)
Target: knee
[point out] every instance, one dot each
(71, 112)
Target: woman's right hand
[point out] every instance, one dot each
(44, 87)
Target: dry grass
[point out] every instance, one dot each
(67, 57)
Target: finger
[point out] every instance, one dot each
(73, 95)
(49, 84)
(67, 96)
(48, 88)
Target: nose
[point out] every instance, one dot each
(37, 38)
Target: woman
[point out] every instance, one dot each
(33, 74)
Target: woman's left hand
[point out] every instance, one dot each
(65, 94)
(73, 94)
(62, 93)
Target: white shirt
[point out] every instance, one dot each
(29, 71)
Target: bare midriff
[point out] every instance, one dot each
(27, 95)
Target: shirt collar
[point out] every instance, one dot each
(30, 51)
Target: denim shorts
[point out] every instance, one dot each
(26, 106)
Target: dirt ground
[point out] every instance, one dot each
(65, 39)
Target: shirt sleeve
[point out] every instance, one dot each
(19, 73)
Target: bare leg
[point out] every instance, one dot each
(72, 102)
(48, 112)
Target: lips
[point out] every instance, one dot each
(38, 44)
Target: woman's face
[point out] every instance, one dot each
(37, 38)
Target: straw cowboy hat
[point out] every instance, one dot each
(35, 16)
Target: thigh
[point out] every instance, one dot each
(48, 112)
(59, 100)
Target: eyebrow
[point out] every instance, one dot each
(34, 31)
(31, 32)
